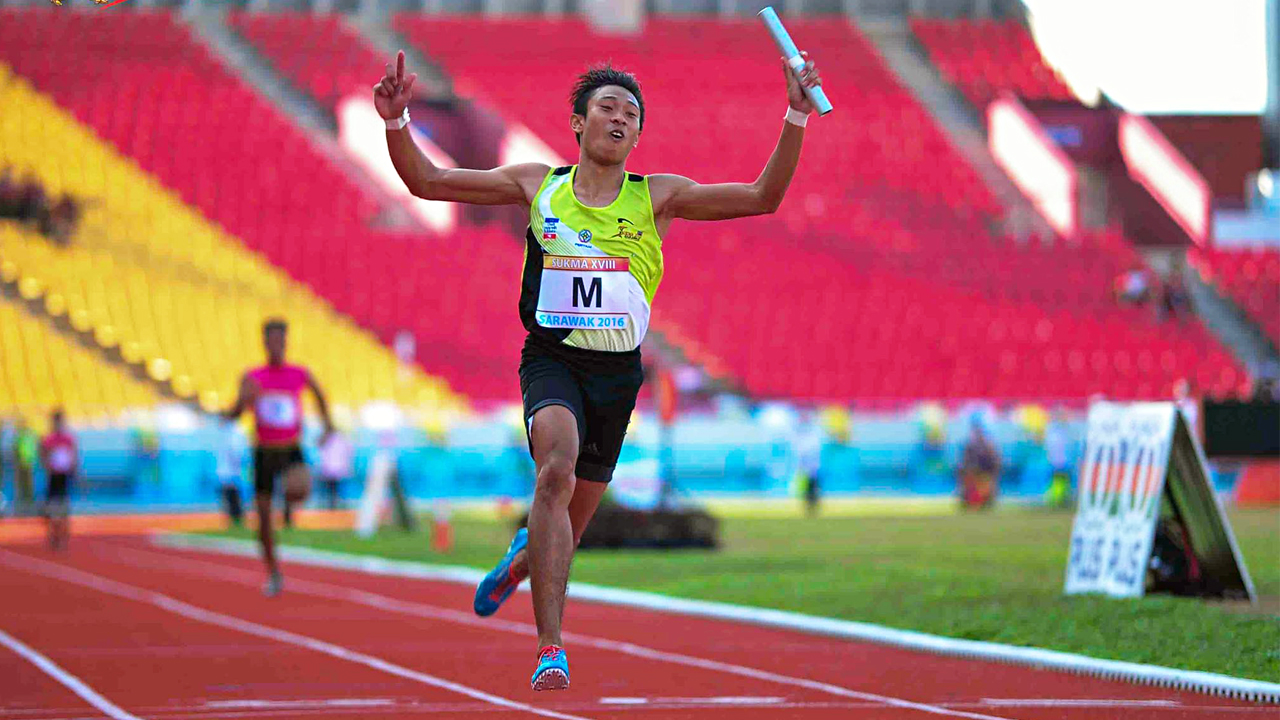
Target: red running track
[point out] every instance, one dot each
(161, 634)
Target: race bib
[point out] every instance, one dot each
(61, 459)
(583, 293)
(278, 410)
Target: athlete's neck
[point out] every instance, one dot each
(597, 185)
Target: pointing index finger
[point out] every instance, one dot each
(399, 67)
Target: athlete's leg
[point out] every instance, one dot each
(51, 525)
(64, 524)
(266, 537)
(554, 437)
(586, 498)
(297, 486)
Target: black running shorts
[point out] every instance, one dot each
(58, 495)
(59, 486)
(600, 388)
(270, 463)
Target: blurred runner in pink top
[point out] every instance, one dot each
(274, 393)
(277, 409)
(60, 458)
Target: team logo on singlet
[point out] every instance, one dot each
(549, 228)
(584, 239)
(627, 231)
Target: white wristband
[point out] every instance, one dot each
(399, 122)
(795, 117)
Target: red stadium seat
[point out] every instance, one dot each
(879, 279)
(1250, 277)
(318, 53)
(985, 57)
(231, 154)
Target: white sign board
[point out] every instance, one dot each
(376, 493)
(1127, 450)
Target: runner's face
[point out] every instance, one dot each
(274, 342)
(612, 125)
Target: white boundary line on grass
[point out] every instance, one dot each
(1191, 680)
(382, 602)
(74, 576)
(73, 683)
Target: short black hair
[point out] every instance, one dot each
(597, 77)
(274, 324)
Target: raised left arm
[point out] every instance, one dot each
(675, 196)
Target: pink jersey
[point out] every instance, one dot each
(59, 451)
(278, 410)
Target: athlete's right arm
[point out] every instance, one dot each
(243, 399)
(506, 185)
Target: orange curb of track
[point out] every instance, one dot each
(31, 529)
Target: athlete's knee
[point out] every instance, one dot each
(555, 480)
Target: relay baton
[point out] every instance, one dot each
(794, 59)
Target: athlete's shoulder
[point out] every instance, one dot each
(668, 179)
(663, 185)
(523, 172)
(299, 371)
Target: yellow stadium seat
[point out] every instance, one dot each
(41, 368)
(149, 274)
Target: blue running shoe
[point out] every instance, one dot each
(553, 669)
(498, 585)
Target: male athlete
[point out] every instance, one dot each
(274, 393)
(60, 458)
(593, 260)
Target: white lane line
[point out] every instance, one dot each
(73, 683)
(1111, 670)
(275, 704)
(1078, 702)
(177, 607)
(382, 602)
(744, 700)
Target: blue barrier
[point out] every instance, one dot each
(884, 455)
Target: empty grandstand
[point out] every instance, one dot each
(883, 279)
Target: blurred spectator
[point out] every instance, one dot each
(1184, 397)
(6, 443)
(1174, 302)
(336, 465)
(808, 448)
(146, 454)
(61, 459)
(25, 449)
(28, 202)
(1057, 450)
(61, 220)
(1134, 286)
(33, 203)
(233, 449)
(979, 469)
(1266, 383)
(8, 194)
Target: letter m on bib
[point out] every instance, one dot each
(589, 296)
